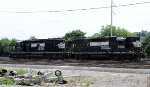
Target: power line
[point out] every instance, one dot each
(132, 4)
(71, 10)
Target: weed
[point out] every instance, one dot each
(6, 81)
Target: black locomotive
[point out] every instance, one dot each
(53, 48)
(118, 48)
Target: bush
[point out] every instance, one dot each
(21, 71)
(1, 68)
(6, 81)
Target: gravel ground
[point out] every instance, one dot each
(121, 80)
(105, 77)
(78, 68)
(145, 64)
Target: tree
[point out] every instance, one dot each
(146, 45)
(5, 45)
(143, 33)
(73, 35)
(13, 42)
(32, 38)
(116, 31)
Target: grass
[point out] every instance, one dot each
(78, 81)
(1, 68)
(21, 71)
(6, 81)
(71, 81)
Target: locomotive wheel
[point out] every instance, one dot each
(24, 58)
(54, 57)
(116, 58)
(29, 58)
(122, 59)
(130, 59)
(81, 57)
(62, 57)
(138, 59)
(49, 57)
(86, 57)
(76, 57)
(59, 56)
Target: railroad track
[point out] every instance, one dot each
(145, 64)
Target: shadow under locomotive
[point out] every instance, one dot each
(114, 48)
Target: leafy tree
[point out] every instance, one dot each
(1, 49)
(5, 45)
(146, 45)
(116, 31)
(143, 33)
(96, 35)
(32, 38)
(13, 42)
(73, 35)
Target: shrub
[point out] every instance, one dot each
(6, 81)
(21, 71)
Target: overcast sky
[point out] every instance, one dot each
(56, 24)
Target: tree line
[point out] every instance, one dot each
(6, 44)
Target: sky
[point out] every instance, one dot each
(43, 24)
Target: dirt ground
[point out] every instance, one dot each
(99, 76)
(121, 80)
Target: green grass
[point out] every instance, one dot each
(21, 71)
(1, 68)
(71, 81)
(6, 81)
(78, 81)
(81, 81)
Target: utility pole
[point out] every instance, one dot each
(111, 17)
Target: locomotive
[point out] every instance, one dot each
(52, 48)
(117, 48)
